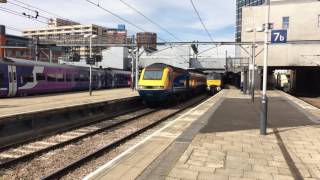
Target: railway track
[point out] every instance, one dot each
(12, 156)
(65, 157)
(68, 128)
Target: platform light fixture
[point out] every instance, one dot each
(90, 36)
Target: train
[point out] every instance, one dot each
(20, 77)
(162, 83)
(214, 83)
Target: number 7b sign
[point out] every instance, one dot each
(278, 36)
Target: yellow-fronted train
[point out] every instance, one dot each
(161, 83)
(214, 83)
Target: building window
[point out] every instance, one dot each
(285, 22)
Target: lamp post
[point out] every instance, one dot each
(90, 55)
(264, 99)
(253, 58)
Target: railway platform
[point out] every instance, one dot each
(32, 104)
(24, 118)
(219, 139)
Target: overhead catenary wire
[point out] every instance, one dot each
(200, 19)
(121, 18)
(37, 8)
(203, 25)
(20, 14)
(27, 8)
(150, 20)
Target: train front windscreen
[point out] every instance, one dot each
(214, 77)
(153, 75)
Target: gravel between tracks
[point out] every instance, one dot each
(51, 161)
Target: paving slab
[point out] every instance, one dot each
(220, 139)
(241, 153)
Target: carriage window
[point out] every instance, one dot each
(76, 78)
(51, 77)
(68, 77)
(1, 78)
(27, 78)
(60, 77)
(94, 78)
(152, 75)
(84, 77)
(14, 76)
(40, 77)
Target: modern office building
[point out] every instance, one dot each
(301, 19)
(68, 32)
(240, 4)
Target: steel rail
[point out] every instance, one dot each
(108, 147)
(34, 154)
(70, 128)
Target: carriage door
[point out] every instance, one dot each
(12, 76)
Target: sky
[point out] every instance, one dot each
(176, 16)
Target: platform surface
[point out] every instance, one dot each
(219, 139)
(30, 104)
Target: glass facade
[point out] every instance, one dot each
(240, 4)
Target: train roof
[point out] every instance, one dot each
(24, 62)
(162, 65)
(195, 71)
(34, 63)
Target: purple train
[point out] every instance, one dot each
(21, 78)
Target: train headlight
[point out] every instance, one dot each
(218, 88)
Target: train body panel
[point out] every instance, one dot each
(20, 78)
(160, 82)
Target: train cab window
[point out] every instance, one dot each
(51, 77)
(60, 77)
(40, 77)
(68, 77)
(214, 77)
(153, 75)
(27, 78)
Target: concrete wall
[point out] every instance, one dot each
(303, 27)
(115, 57)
